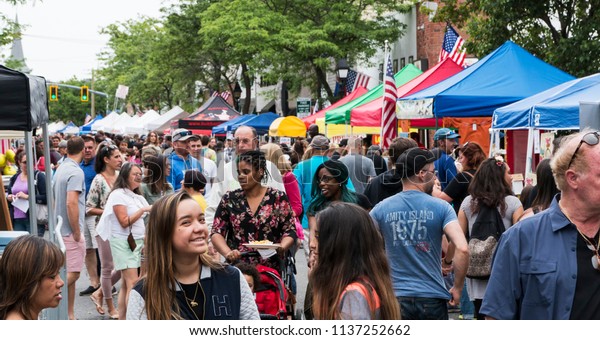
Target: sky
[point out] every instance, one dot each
(61, 38)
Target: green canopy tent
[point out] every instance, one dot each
(341, 115)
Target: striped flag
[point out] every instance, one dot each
(225, 95)
(215, 94)
(355, 80)
(453, 47)
(389, 122)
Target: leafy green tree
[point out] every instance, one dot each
(298, 41)
(564, 33)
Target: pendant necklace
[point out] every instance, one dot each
(192, 302)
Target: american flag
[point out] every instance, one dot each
(355, 80)
(389, 122)
(215, 94)
(225, 95)
(453, 47)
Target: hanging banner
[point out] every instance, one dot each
(414, 109)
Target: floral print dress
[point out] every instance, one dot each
(273, 220)
(98, 194)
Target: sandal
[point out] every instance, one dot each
(99, 308)
(114, 316)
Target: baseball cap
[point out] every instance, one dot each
(319, 142)
(412, 161)
(181, 135)
(445, 133)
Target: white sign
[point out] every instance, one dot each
(286, 140)
(122, 91)
(414, 109)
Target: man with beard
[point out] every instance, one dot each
(180, 159)
(412, 223)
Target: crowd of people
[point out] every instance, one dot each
(388, 234)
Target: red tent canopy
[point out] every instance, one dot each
(321, 113)
(369, 114)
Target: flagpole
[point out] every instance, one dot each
(385, 52)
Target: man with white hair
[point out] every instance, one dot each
(547, 266)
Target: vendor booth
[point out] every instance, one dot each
(214, 112)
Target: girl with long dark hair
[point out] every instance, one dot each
(351, 278)
(491, 187)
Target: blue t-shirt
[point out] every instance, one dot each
(178, 168)
(89, 172)
(412, 224)
(446, 169)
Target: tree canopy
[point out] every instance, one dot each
(564, 33)
(219, 42)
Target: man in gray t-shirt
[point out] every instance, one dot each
(69, 198)
(360, 168)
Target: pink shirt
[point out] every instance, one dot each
(19, 186)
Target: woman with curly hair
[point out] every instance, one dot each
(29, 278)
(182, 282)
(351, 279)
(470, 156)
(253, 213)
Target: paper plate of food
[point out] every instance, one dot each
(264, 244)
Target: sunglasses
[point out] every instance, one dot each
(183, 134)
(590, 138)
(106, 148)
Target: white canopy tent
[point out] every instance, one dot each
(138, 123)
(164, 121)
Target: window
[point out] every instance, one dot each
(395, 65)
(410, 59)
(402, 63)
(381, 73)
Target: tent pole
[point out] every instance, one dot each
(31, 181)
(529, 156)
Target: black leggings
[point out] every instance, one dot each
(477, 303)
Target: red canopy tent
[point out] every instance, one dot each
(369, 114)
(321, 113)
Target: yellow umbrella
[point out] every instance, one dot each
(290, 126)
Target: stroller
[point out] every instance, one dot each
(275, 296)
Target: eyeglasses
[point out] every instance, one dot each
(590, 138)
(326, 179)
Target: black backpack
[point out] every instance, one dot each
(486, 232)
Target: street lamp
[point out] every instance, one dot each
(342, 72)
(237, 93)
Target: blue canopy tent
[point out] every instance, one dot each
(554, 109)
(224, 127)
(504, 76)
(261, 122)
(87, 128)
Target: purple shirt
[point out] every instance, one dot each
(19, 186)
